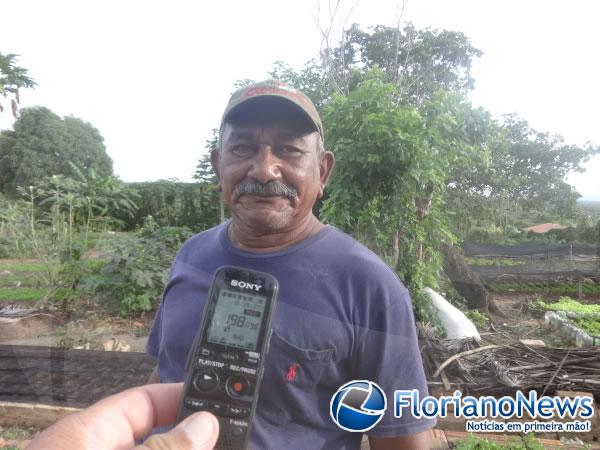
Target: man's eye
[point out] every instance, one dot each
(241, 149)
(287, 150)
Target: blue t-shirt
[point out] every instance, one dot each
(342, 314)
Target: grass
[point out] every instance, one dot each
(588, 324)
(567, 304)
(567, 287)
(22, 294)
(479, 261)
(25, 279)
(22, 266)
(17, 433)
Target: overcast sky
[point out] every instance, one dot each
(154, 76)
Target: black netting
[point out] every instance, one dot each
(77, 378)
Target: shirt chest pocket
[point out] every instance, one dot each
(291, 377)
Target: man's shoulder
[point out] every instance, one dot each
(202, 241)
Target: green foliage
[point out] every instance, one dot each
(72, 278)
(482, 261)
(523, 184)
(391, 173)
(479, 319)
(311, 80)
(587, 231)
(44, 225)
(567, 304)
(418, 62)
(42, 143)
(22, 293)
(22, 266)
(173, 203)
(132, 281)
(12, 78)
(590, 325)
(425, 313)
(204, 171)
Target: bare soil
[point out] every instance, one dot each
(56, 330)
(520, 321)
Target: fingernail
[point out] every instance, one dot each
(200, 427)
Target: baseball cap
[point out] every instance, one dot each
(273, 89)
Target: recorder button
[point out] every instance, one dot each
(238, 412)
(237, 431)
(237, 386)
(218, 408)
(195, 404)
(206, 380)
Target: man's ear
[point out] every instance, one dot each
(215, 155)
(326, 165)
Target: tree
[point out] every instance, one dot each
(524, 181)
(42, 143)
(391, 173)
(204, 170)
(12, 78)
(418, 62)
(310, 80)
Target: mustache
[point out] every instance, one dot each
(272, 187)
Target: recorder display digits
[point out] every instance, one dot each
(225, 365)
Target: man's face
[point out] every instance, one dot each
(271, 174)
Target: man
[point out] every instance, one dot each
(342, 313)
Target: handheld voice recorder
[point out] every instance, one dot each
(225, 364)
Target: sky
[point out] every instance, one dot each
(154, 76)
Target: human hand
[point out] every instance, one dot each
(116, 422)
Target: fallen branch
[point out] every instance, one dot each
(460, 355)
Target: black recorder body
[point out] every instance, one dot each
(225, 364)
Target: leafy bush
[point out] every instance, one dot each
(567, 304)
(479, 319)
(590, 325)
(173, 203)
(425, 312)
(133, 279)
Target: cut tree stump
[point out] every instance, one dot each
(466, 282)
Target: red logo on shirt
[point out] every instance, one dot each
(291, 373)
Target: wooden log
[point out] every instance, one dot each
(467, 282)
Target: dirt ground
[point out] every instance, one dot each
(94, 333)
(98, 332)
(522, 321)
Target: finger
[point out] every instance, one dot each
(116, 421)
(197, 432)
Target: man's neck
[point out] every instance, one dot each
(245, 238)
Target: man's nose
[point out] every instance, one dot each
(266, 166)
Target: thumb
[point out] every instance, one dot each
(197, 432)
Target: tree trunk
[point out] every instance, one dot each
(396, 249)
(466, 282)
